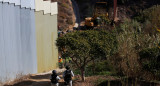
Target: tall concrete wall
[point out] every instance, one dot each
(20, 28)
(46, 35)
(17, 41)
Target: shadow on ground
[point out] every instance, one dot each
(34, 83)
(37, 80)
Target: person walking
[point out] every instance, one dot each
(60, 62)
(54, 78)
(67, 75)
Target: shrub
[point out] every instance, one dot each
(65, 5)
(151, 16)
(69, 21)
(129, 26)
(131, 41)
(150, 60)
(149, 53)
(101, 68)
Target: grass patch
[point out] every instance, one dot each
(101, 68)
(99, 81)
(65, 5)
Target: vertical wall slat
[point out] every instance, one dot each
(18, 38)
(2, 56)
(39, 5)
(6, 0)
(13, 60)
(25, 39)
(32, 2)
(17, 2)
(54, 8)
(7, 39)
(12, 1)
(46, 7)
(25, 3)
(33, 44)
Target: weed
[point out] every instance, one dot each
(99, 81)
(65, 5)
(20, 77)
(69, 21)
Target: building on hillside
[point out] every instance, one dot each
(28, 32)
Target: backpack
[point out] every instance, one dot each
(54, 79)
(68, 76)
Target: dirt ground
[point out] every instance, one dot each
(43, 79)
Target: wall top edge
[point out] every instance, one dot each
(36, 5)
(45, 13)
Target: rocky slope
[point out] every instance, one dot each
(66, 17)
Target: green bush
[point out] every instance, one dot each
(149, 53)
(131, 40)
(151, 14)
(150, 60)
(101, 68)
(129, 26)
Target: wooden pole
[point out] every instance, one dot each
(115, 10)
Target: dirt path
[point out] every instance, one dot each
(42, 79)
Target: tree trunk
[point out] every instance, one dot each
(83, 74)
(115, 10)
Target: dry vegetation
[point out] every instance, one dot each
(43, 80)
(66, 17)
(18, 79)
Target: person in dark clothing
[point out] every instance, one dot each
(54, 78)
(112, 23)
(67, 75)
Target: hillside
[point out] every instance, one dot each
(66, 17)
(126, 9)
(137, 37)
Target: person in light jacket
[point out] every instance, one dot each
(67, 75)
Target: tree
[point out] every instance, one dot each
(86, 46)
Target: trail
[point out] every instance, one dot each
(42, 79)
